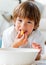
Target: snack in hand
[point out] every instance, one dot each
(22, 32)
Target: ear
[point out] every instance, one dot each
(36, 26)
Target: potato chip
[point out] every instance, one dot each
(22, 32)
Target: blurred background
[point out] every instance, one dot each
(6, 9)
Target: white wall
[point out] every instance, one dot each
(42, 27)
(8, 5)
(3, 25)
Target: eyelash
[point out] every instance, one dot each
(20, 20)
(29, 22)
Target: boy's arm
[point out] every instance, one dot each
(6, 40)
(38, 39)
(38, 57)
(3, 40)
(37, 46)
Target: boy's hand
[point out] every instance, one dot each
(20, 40)
(37, 46)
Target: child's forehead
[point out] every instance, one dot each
(26, 18)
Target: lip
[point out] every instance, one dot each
(25, 32)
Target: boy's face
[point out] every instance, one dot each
(24, 24)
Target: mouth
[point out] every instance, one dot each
(25, 32)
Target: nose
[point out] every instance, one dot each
(23, 26)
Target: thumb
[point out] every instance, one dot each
(18, 35)
(22, 38)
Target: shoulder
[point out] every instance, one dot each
(6, 38)
(8, 30)
(36, 35)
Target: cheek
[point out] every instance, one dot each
(31, 28)
(17, 26)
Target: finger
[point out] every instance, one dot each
(25, 39)
(18, 35)
(40, 48)
(36, 45)
(22, 38)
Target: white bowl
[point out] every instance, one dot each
(17, 56)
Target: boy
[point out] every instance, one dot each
(24, 33)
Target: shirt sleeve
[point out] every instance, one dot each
(6, 41)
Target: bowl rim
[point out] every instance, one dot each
(20, 49)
